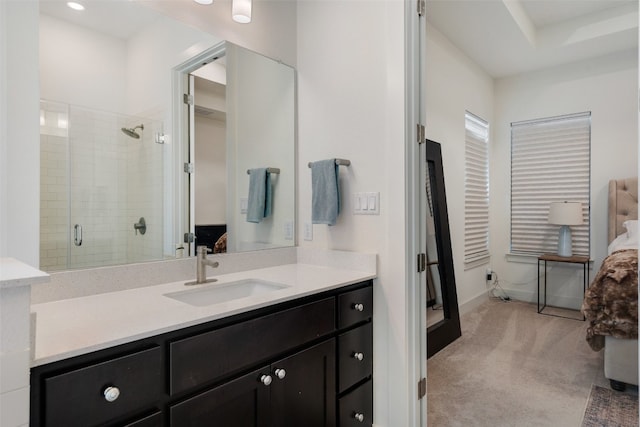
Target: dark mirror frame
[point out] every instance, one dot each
(447, 330)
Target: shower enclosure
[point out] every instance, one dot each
(101, 188)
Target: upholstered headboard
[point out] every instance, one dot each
(623, 204)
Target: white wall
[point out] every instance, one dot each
(211, 171)
(608, 88)
(455, 84)
(351, 105)
(20, 172)
(81, 67)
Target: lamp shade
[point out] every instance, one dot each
(565, 213)
(241, 11)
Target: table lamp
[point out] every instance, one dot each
(565, 214)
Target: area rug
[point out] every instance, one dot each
(607, 407)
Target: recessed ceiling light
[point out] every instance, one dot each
(204, 1)
(75, 6)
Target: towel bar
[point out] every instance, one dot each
(339, 162)
(269, 170)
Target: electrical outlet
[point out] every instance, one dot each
(489, 274)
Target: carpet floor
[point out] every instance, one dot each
(513, 367)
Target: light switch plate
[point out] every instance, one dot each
(366, 203)
(288, 230)
(244, 202)
(308, 231)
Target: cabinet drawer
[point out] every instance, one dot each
(206, 357)
(355, 356)
(77, 398)
(356, 406)
(355, 306)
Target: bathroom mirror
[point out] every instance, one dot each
(112, 156)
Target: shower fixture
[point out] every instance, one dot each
(132, 131)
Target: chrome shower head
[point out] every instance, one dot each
(132, 131)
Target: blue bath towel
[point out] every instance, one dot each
(325, 203)
(259, 202)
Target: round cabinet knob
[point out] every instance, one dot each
(280, 373)
(266, 379)
(111, 393)
(358, 356)
(358, 307)
(358, 416)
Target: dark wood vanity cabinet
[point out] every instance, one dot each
(306, 362)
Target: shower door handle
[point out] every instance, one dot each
(77, 234)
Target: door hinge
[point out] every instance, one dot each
(189, 237)
(188, 167)
(187, 98)
(422, 5)
(422, 388)
(422, 262)
(420, 133)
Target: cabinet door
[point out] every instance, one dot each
(355, 356)
(243, 402)
(303, 389)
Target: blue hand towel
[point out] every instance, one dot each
(325, 203)
(259, 202)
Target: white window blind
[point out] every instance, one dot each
(476, 190)
(550, 162)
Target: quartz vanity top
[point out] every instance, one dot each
(71, 327)
(15, 273)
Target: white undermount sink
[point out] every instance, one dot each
(216, 293)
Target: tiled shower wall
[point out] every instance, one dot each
(95, 176)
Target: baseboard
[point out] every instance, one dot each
(472, 304)
(573, 303)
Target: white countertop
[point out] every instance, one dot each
(15, 273)
(70, 327)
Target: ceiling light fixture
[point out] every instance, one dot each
(241, 11)
(75, 6)
(203, 1)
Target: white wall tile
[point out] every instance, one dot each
(14, 370)
(14, 408)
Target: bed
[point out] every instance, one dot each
(611, 302)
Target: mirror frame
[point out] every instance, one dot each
(447, 330)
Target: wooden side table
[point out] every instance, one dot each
(576, 259)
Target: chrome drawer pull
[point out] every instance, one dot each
(358, 416)
(358, 356)
(266, 379)
(280, 373)
(111, 393)
(358, 307)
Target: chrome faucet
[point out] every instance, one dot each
(201, 266)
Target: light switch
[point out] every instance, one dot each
(371, 202)
(244, 202)
(308, 231)
(366, 203)
(288, 230)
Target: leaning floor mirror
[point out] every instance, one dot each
(443, 319)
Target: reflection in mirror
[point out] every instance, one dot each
(435, 311)
(443, 321)
(108, 70)
(244, 113)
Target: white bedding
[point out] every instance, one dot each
(626, 240)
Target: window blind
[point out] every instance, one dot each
(476, 189)
(550, 162)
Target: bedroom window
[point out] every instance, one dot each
(550, 162)
(476, 191)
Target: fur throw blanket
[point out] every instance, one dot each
(611, 302)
